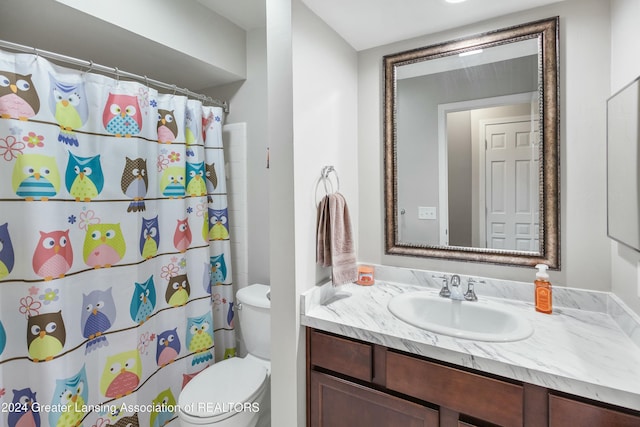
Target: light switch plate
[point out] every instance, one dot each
(427, 212)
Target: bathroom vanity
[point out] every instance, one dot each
(355, 383)
(366, 367)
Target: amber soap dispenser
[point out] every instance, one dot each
(543, 294)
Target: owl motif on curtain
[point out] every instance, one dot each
(196, 185)
(46, 336)
(83, 178)
(72, 395)
(173, 181)
(149, 237)
(121, 116)
(167, 126)
(191, 127)
(162, 405)
(68, 104)
(200, 337)
(98, 315)
(18, 96)
(135, 182)
(7, 256)
(167, 347)
(218, 224)
(121, 374)
(143, 301)
(182, 236)
(23, 413)
(104, 245)
(53, 256)
(35, 177)
(3, 338)
(178, 290)
(130, 421)
(218, 271)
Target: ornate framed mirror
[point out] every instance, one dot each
(471, 136)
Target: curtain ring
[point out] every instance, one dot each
(117, 76)
(90, 68)
(146, 81)
(174, 89)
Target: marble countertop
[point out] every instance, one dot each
(577, 351)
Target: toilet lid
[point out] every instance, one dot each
(256, 295)
(222, 388)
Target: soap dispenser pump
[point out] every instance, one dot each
(543, 296)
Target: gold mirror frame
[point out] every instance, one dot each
(546, 32)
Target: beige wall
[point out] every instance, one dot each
(584, 68)
(248, 101)
(284, 342)
(180, 53)
(312, 79)
(625, 66)
(460, 178)
(169, 24)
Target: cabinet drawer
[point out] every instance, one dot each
(492, 400)
(564, 412)
(341, 355)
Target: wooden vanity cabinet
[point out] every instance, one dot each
(353, 383)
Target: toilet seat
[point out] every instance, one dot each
(212, 393)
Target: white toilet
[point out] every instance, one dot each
(235, 392)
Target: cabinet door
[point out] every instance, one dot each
(336, 403)
(569, 412)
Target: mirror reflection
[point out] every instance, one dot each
(472, 170)
(466, 150)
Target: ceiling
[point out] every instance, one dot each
(362, 23)
(246, 14)
(368, 23)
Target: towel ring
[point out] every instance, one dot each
(325, 178)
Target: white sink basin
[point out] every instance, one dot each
(480, 321)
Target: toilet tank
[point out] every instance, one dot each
(255, 319)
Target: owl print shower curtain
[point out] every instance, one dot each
(115, 278)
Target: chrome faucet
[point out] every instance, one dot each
(455, 293)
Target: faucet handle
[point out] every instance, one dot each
(470, 295)
(445, 292)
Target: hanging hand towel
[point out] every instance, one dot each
(335, 246)
(323, 233)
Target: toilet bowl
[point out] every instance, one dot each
(235, 391)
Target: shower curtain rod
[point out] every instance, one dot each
(97, 67)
